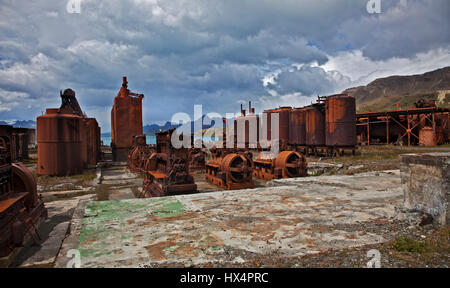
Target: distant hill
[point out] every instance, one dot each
(20, 123)
(385, 93)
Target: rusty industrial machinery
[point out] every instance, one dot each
(68, 142)
(167, 170)
(287, 164)
(197, 159)
(139, 153)
(423, 124)
(126, 121)
(20, 205)
(21, 139)
(230, 168)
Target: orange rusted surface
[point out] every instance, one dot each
(315, 125)
(59, 143)
(126, 119)
(167, 169)
(287, 164)
(20, 205)
(68, 142)
(427, 137)
(283, 124)
(340, 117)
(139, 153)
(230, 169)
(297, 126)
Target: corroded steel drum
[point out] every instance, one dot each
(297, 126)
(292, 164)
(283, 124)
(59, 143)
(315, 126)
(340, 117)
(237, 167)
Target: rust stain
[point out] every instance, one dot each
(156, 251)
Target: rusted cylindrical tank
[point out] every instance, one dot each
(59, 143)
(297, 126)
(427, 137)
(283, 123)
(246, 128)
(340, 119)
(315, 125)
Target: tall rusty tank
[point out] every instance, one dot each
(126, 121)
(297, 126)
(250, 123)
(283, 124)
(315, 125)
(92, 132)
(59, 143)
(340, 118)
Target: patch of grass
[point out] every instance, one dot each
(406, 244)
(437, 243)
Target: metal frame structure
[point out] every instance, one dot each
(408, 120)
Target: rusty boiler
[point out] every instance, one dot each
(244, 125)
(139, 153)
(283, 125)
(315, 125)
(21, 208)
(59, 143)
(297, 126)
(340, 118)
(230, 169)
(167, 170)
(126, 121)
(68, 142)
(287, 164)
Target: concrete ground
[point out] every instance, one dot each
(114, 182)
(290, 217)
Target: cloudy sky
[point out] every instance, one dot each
(215, 53)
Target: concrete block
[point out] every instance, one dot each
(426, 184)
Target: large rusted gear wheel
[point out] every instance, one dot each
(238, 167)
(292, 163)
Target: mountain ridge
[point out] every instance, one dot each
(385, 93)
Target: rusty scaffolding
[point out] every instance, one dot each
(393, 127)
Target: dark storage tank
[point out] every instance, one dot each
(315, 125)
(297, 126)
(59, 143)
(340, 117)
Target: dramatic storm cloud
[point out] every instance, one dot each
(215, 53)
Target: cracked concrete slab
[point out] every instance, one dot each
(291, 217)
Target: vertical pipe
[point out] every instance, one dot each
(387, 128)
(409, 131)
